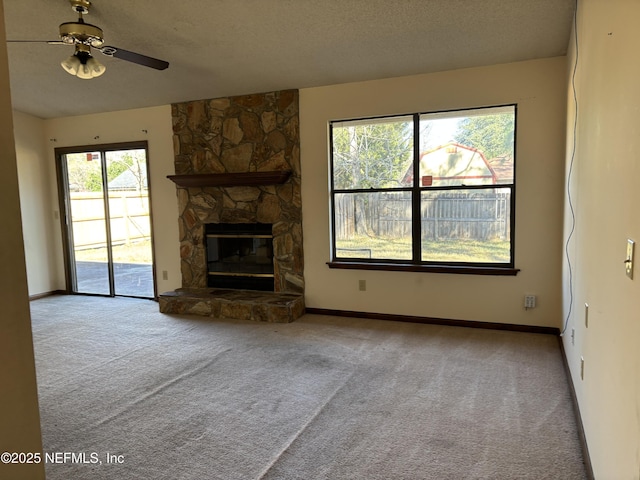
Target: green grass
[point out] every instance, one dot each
(458, 250)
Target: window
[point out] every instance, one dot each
(427, 191)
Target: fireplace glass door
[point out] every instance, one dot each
(240, 256)
(108, 228)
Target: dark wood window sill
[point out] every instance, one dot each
(400, 267)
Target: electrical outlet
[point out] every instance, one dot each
(362, 285)
(529, 301)
(573, 336)
(165, 275)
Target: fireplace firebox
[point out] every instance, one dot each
(240, 256)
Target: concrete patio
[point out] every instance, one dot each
(131, 279)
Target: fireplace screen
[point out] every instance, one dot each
(240, 256)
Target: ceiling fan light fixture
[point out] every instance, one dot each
(71, 64)
(95, 67)
(82, 64)
(84, 72)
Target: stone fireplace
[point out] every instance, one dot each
(237, 162)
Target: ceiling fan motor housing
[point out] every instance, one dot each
(79, 32)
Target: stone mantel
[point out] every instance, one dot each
(244, 179)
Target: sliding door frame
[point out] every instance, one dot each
(65, 210)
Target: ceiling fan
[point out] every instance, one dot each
(84, 36)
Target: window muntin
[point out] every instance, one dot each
(425, 189)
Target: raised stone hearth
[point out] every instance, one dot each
(235, 304)
(237, 160)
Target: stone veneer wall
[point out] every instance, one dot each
(249, 133)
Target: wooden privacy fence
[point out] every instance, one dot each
(475, 215)
(129, 218)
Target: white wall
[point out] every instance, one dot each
(19, 416)
(606, 197)
(150, 124)
(39, 214)
(539, 88)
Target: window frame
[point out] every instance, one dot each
(416, 264)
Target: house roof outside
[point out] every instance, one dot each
(503, 168)
(454, 163)
(127, 180)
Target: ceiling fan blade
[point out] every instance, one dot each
(134, 57)
(50, 42)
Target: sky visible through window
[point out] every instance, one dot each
(438, 132)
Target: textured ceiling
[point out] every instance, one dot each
(231, 47)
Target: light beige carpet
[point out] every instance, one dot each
(177, 397)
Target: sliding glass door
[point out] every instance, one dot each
(105, 192)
